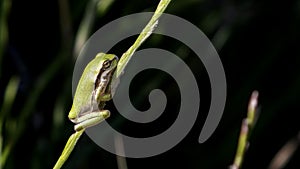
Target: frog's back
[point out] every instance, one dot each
(83, 95)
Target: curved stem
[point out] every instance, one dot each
(146, 32)
(68, 149)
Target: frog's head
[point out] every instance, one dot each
(107, 62)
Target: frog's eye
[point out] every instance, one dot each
(106, 64)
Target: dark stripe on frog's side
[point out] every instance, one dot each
(103, 79)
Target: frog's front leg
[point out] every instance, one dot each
(89, 119)
(96, 99)
(105, 97)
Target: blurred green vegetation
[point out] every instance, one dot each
(257, 42)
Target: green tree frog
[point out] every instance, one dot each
(93, 90)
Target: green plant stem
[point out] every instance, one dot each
(4, 10)
(66, 30)
(9, 98)
(247, 126)
(85, 27)
(68, 149)
(119, 147)
(146, 32)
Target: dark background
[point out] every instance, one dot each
(258, 43)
